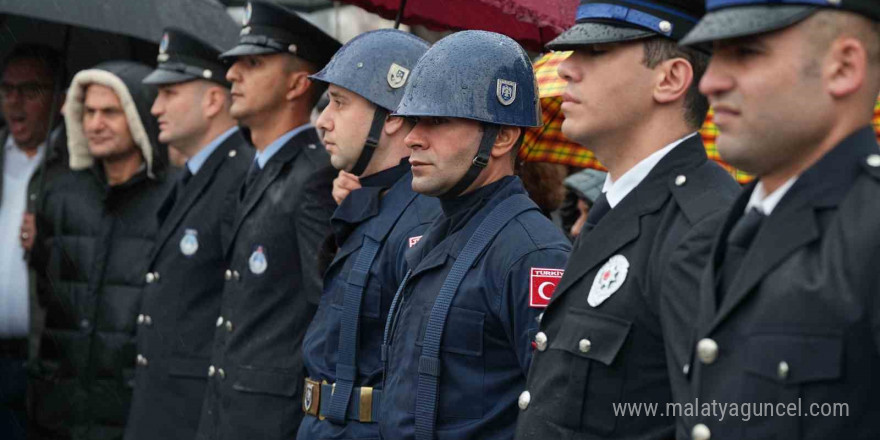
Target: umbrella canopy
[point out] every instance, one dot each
(532, 23)
(142, 19)
(548, 144)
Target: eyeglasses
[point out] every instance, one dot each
(27, 90)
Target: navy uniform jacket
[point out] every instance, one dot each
(800, 323)
(271, 292)
(181, 300)
(618, 350)
(362, 213)
(486, 346)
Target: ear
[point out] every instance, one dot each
(393, 125)
(674, 78)
(505, 141)
(213, 102)
(298, 84)
(846, 67)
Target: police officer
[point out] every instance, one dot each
(788, 313)
(458, 337)
(272, 283)
(184, 278)
(619, 323)
(374, 226)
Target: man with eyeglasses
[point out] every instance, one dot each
(26, 93)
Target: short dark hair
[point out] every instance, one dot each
(658, 50)
(49, 57)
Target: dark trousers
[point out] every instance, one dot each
(13, 392)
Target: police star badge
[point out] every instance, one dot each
(189, 244)
(397, 76)
(163, 48)
(257, 263)
(505, 91)
(610, 277)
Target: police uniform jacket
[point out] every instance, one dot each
(182, 297)
(800, 323)
(486, 346)
(396, 218)
(652, 247)
(272, 288)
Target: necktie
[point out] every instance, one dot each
(597, 211)
(252, 174)
(738, 242)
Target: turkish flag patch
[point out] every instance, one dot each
(543, 283)
(414, 240)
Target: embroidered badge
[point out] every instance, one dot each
(610, 277)
(414, 240)
(506, 91)
(189, 244)
(257, 263)
(543, 284)
(397, 76)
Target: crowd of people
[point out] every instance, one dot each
(385, 267)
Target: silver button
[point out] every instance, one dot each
(148, 321)
(227, 275)
(782, 370)
(33, 196)
(236, 275)
(686, 369)
(141, 360)
(707, 350)
(524, 399)
(207, 74)
(541, 341)
(584, 345)
(211, 371)
(681, 180)
(140, 319)
(232, 153)
(665, 26)
(874, 160)
(219, 321)
(85, 323)
(701, 432)
(229, 326)
(150, 277)
(221, 373)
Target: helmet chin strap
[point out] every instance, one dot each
(481, 160)
(372, 141)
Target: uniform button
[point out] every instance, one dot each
(665, 26)
(229, 326)
(236, 275)
(232, 153)
(686, 369)
(221, 373)
(701, 432)
(524, 399)
(584, 345)
(680, 180)
(140, 319)
(541, 341)
(782, 370)
(33, 196)
(150, 277)
(874, 160)
(219, 321)
(211, 369)
(148, 321)
(707, 350)
(141, 360)
(227, 275)
(85, 323)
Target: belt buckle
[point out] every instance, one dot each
(365, 405)
(311, 397)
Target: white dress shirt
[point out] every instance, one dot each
(17, 171)
(766, 203)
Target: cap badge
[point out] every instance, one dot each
(163, 45)
(292, 49)
(257, 263)
(248, 12)
(609, 278)
(397, 76)
(189, 244)
(506, 91)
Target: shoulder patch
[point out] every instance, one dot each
(543, 282)
(414, 240)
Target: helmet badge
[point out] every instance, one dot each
(397, 76)
(505, 91)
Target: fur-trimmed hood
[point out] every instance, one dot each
(124, 78)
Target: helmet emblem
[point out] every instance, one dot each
(506, 91)
(397, 76)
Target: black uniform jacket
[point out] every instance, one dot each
(181, 301)
(272, 290)
(799, 328)
(652, 248)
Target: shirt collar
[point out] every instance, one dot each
(194, 164)
(264, 156)
(12, 146)
(766, 203)
(616, 191)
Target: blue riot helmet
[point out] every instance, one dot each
(495, 87)
(376, 65)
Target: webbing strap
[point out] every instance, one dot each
(481, 160)
(372, 141)
(429, 362)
